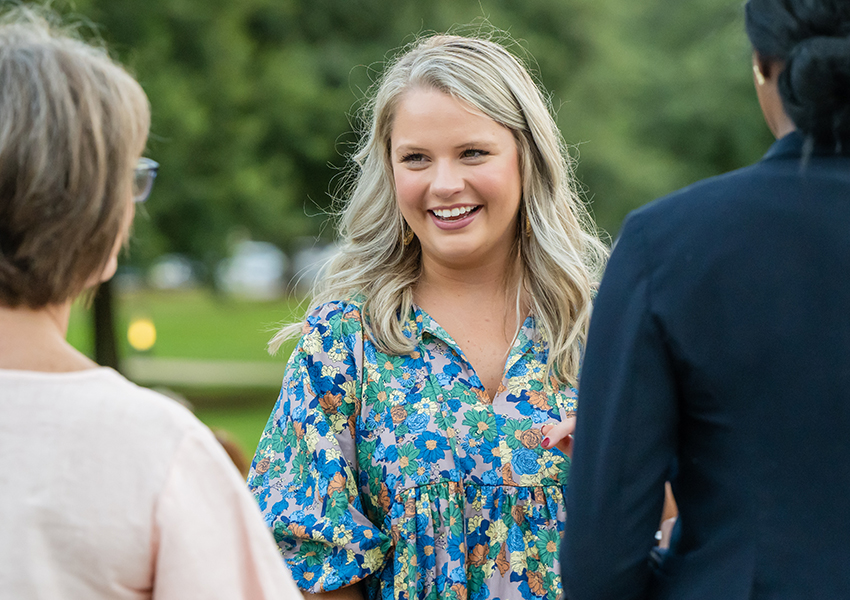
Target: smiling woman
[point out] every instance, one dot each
(444, 342)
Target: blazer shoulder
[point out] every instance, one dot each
(720, 188)
(695, 213)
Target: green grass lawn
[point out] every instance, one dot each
(196, 324)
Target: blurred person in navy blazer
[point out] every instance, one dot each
(718, 357)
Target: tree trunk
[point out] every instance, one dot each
(103, 320)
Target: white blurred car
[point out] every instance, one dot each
(255, 271)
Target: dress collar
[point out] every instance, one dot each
(793, 145)
(424, 324)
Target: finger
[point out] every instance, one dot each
(560, 430)
(666, 532)
(565, 446)
(559, 435)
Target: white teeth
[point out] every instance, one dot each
(446, 213)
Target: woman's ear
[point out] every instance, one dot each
(758, 75)
(111, 264)
(764, 69)
(109, 268)
(766, 77)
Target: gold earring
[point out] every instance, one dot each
(407, 235)
(759, 76)
(528, 230)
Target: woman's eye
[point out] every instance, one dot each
(413, 157)
(473, 153)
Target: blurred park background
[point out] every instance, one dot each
(255, 110)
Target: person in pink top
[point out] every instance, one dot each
(107, 490)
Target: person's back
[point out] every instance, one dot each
(718, 357)
(760, 336)
(107, 491)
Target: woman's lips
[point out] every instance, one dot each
(453, 218)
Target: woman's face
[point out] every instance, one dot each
(457, 179)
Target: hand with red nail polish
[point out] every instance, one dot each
(559, 435)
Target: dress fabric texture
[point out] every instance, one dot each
(718, 358)
(400, 469)
(109, 491)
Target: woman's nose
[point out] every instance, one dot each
(448, 179)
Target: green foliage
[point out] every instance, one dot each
(664, 98)
(254, 101)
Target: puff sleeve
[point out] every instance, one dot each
(304, 474)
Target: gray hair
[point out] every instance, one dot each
(73, 123)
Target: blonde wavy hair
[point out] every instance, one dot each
(560, 258)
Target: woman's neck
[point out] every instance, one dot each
(493, 284)
(34, 340)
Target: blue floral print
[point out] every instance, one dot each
(401, 471)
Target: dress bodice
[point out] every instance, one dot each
(400, 469)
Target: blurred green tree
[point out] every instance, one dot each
(664, 99)
(254, 102)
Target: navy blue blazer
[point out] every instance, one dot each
(718, 357)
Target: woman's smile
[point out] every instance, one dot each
(454, 217)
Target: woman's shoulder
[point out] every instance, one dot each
(712, 196)
(335, 313)
(348, 308)
(99, 408)
(331, 326)
(100, 390)
(150, 427)
(112, 394)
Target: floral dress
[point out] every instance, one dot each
(400, 470)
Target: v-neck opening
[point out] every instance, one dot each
(429, 324)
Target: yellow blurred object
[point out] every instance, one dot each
(141, 334)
